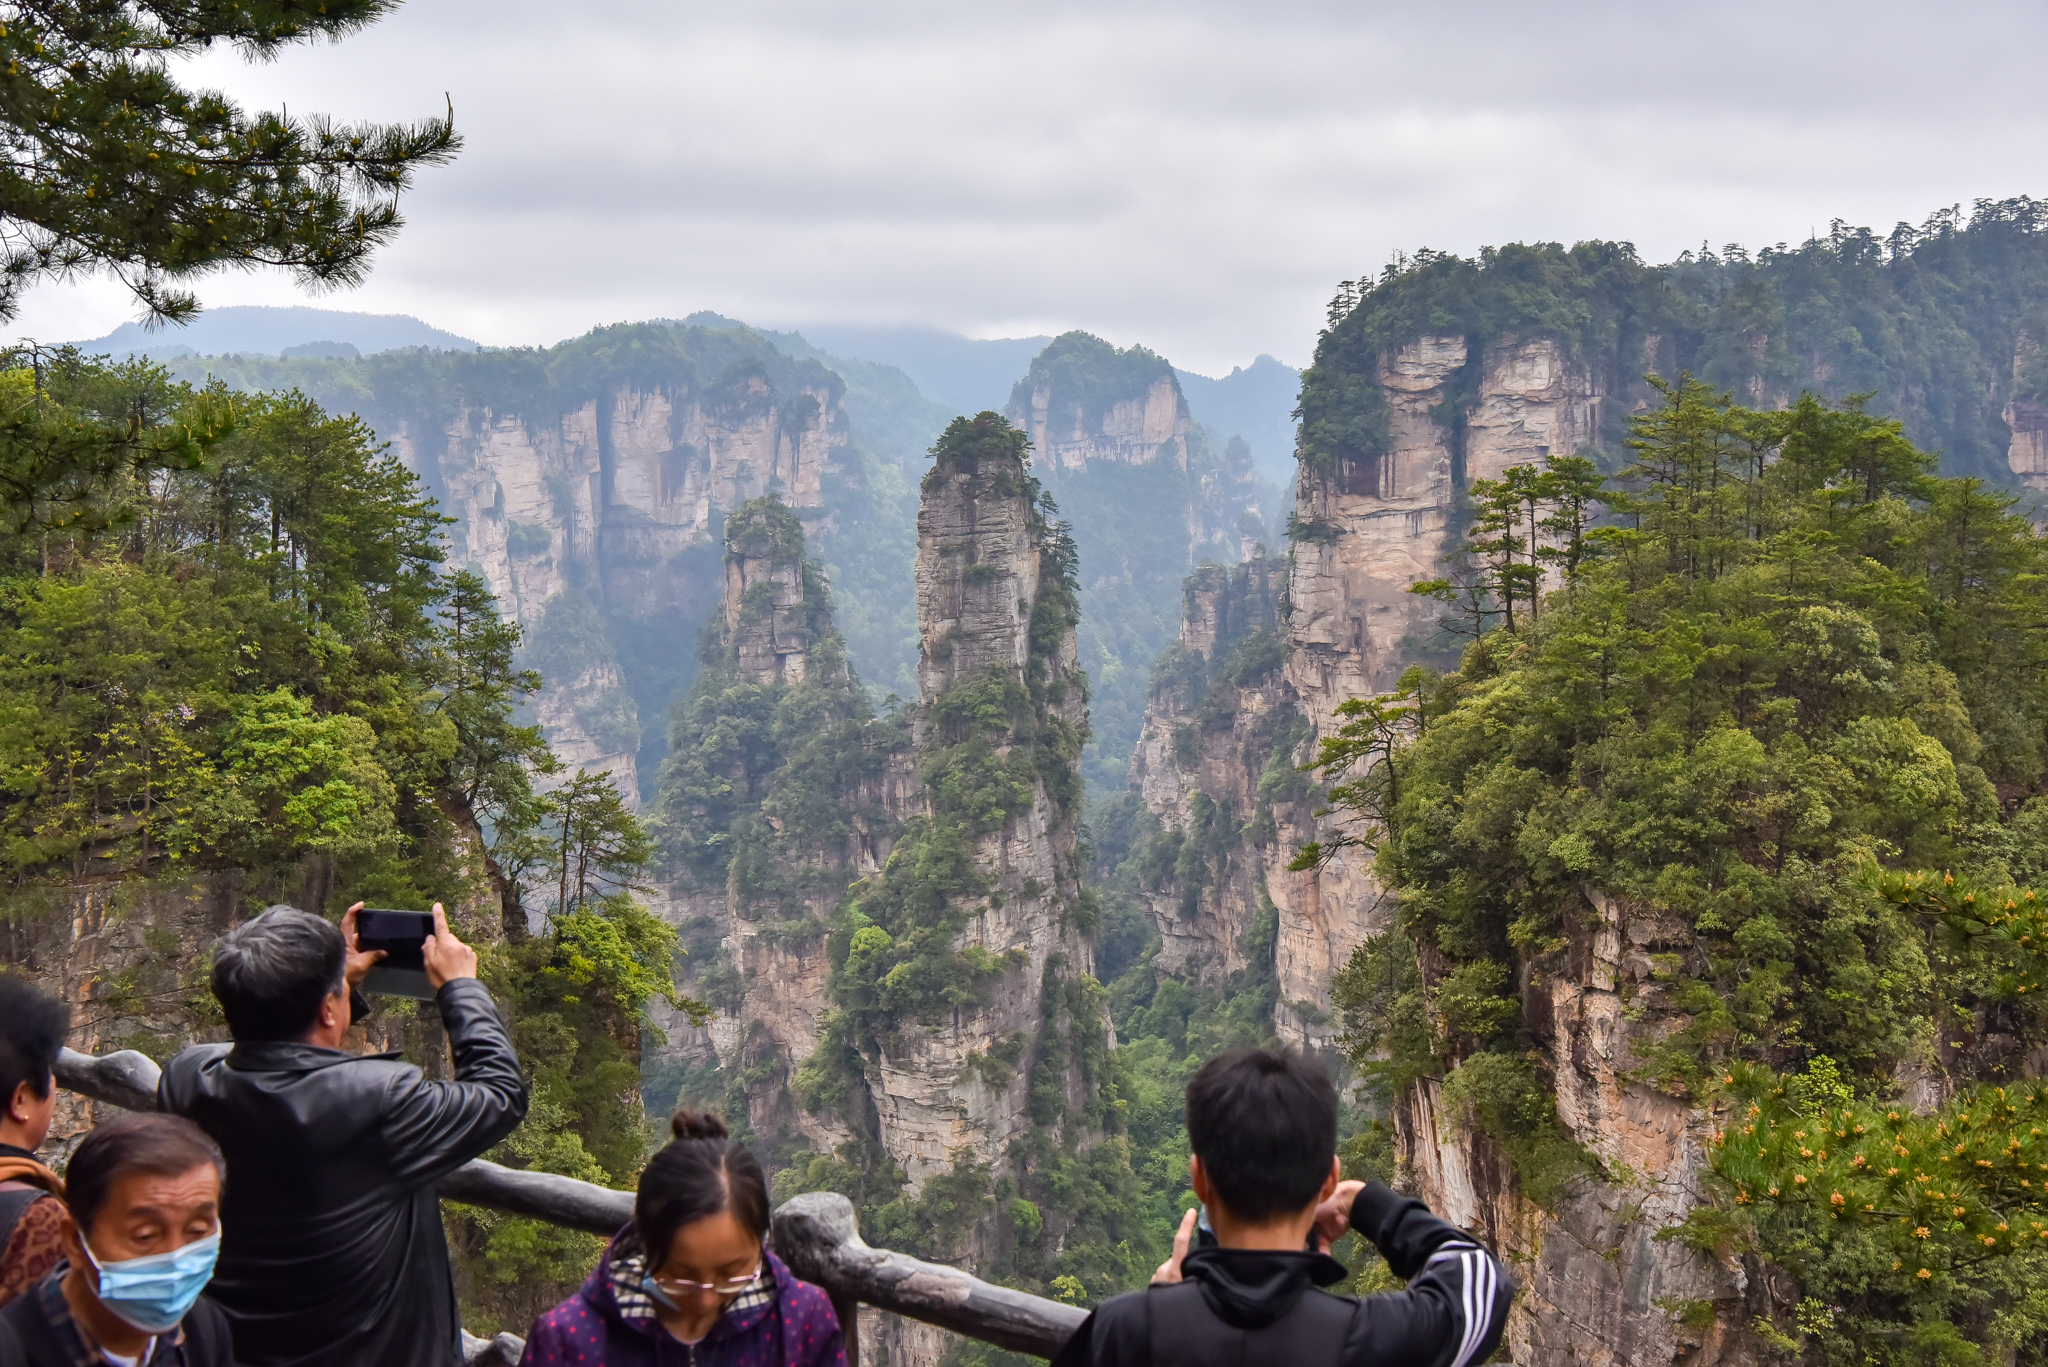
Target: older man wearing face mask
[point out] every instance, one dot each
(140, 1239)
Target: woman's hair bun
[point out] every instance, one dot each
(697, 1125)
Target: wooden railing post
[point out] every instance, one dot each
(848, 1311)
(818, 1236)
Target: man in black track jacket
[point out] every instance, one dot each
(332, 1253)
(1263, 1127)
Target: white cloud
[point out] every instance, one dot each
(1196, 177)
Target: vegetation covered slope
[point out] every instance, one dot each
(1793, 657)
(1925, 319)
(772, 793)
(237, 673)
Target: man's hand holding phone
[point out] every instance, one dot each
(387, 955)
(360, 960)
(447, 957)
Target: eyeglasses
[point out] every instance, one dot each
(733, 1286)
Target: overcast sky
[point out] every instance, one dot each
(1196, 177)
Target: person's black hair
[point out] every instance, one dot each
(271, 974)
(1264, 1125)
(698, 1173)
(33, 1026)
(139, 1141)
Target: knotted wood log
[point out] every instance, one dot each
(817, 1235)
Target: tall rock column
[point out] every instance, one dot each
(781, 789)
(955, 947)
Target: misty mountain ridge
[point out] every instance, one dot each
(945, 370)
(263, 330)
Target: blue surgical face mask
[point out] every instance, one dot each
(154, 1293)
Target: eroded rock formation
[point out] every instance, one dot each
(781, 789)
(1224, 732)
(1002, 691)
(617, 499)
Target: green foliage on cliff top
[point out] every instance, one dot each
(1088, 377)
(1781, 672)
(1925, 319)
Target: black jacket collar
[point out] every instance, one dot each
(1250, 1288)
(289, 1056)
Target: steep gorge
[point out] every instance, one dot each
(1149, 494)
(588, 484)
(887, 912)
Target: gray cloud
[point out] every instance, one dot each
(1194, 176)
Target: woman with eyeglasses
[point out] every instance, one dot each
(690, 1281)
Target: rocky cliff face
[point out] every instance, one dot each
(618, 499)
(1597, 1284)
(780, 791)
(1225, 730)
(1371, 526)
(995, 612)
(1135, 429)
(1367, 528)
(2028, 419)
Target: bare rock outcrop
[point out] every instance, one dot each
(1000, 686)
(2028, 419)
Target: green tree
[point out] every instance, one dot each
(111, 164)
(1807, 656)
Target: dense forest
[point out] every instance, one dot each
(238, 673)
(1790, 667)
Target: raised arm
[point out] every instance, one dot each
(432, 1128)
(1455, 1307)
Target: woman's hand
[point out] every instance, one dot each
(1169, 1271)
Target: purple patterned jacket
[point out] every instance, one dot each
(611, 1323)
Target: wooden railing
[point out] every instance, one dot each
(816, 1234)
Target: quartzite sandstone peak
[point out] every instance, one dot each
(780, 790)
(602, 489)
(995, 614)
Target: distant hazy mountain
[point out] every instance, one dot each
(966, 374)
(251, 330)
(1255, 402)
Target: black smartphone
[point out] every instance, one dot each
(403, 970)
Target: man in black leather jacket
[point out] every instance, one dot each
(332, 1253)
(1263, 1127)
